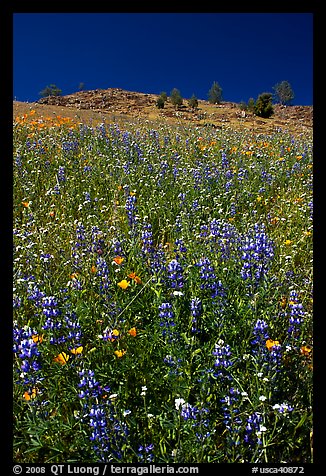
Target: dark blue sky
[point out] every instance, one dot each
(246, 53)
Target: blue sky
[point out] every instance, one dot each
(246, 53)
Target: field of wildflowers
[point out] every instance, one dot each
(162, 294)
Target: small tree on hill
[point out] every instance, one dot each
(160, 102)
(215, 93)
(264, 106)
(164, 96)
(283, 92)
(251, 105)
(51, 90)
(175, 97)
(243, 106)
(193, 102)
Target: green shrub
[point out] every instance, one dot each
(215, 93)
(160, 102)
(193, 102)
(264, 106)
(175, 97)
(51, 90)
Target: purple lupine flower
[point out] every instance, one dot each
(225, 162)
(180, 246)
(107, 433)
(209, 279)
(174, 364)
(102, 270)
(189, 412)
(296, 315)
(131, 210)
(225, 235)
(196, 310)
(49, 305)
(61, 174)
(257, 252)
(231, 417)
(253, 429)
(167, 323)
(158, 261)
(174, 275)
(27, 351)
(144, 453)
(89, 385)
(80, 246)
(147, 238)
(222, 362)
(117, 247)
(34, 294)
(260, 333)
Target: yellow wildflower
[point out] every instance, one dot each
(61, 358)
(78, 350)
(115, 334)
(36, 338)
(124, 284)
(28, 396)
(271, 343)
(305, 350)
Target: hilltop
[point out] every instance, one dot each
(114, 104)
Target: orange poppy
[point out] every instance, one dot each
(118, 259)
(61, 358)
(305, 350)
(134, 277)
(28, 396)
(36, 338)
(133, 331)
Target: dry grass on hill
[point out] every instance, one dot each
(117, 105)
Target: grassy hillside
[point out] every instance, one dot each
(162, 285)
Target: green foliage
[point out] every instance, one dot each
(264, 106)
(193, 102)
(284, 92)
(160, 102)
(96, 206)
(164, 96)
(51, 90)
(251, 105)
(215, 93)
(175, 97)
(243, 106)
